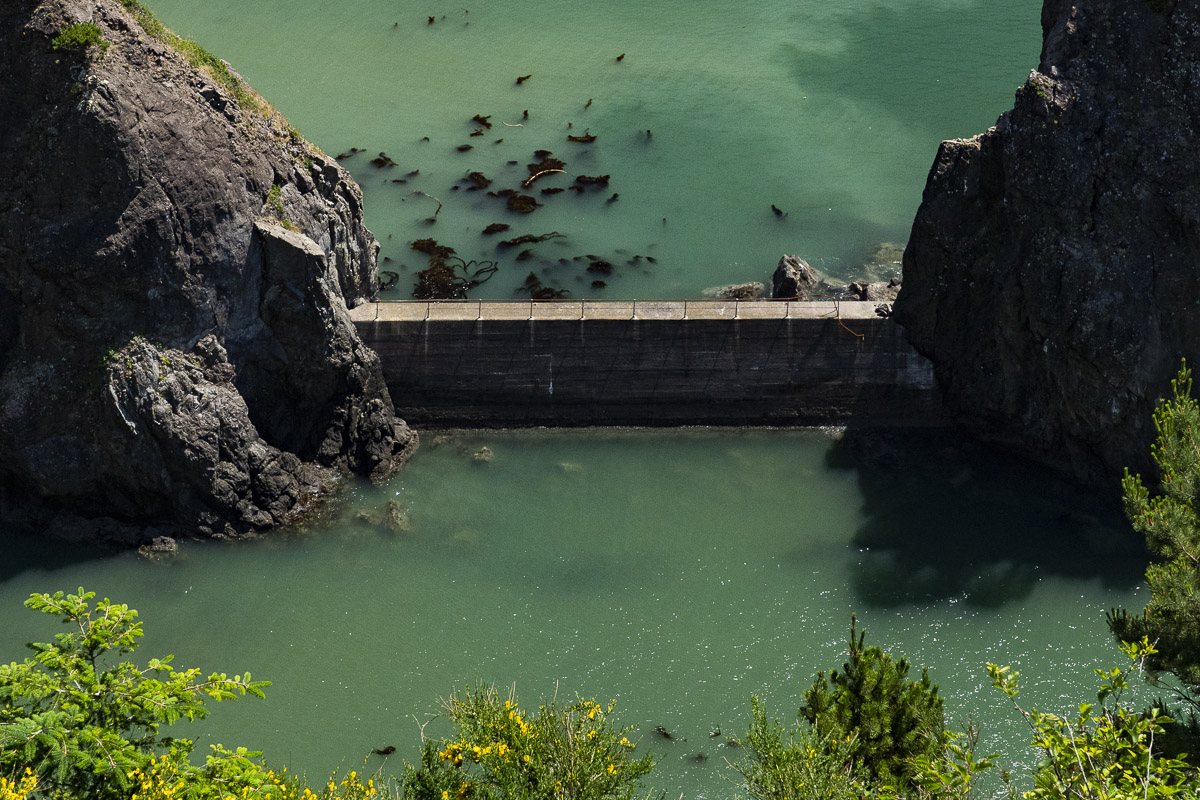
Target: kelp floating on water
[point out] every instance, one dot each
(450, 277)
(529, 238)
(538, 291)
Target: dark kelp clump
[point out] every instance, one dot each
(450, 278)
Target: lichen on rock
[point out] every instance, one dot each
(176, 265)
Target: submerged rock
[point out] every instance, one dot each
(885, 262)
(161, 548)
(369, 516)
(1053, 271)
(176, 264)
(736, 291)
(396, 518)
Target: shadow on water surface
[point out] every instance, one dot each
(864, 54)
(954, 519)
(25, 549)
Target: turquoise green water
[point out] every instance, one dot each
(675, 572)
(830, 111)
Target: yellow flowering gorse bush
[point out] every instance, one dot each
(501, 751)
(18, 788)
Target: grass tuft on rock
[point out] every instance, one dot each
(80, 37)
(198, 57)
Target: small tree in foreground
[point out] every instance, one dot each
(502, 751)
(890, 719)
(1106, 751)
(74, 722)
(1172, 529)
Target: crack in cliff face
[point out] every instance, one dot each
(1074, 244)
(133, 238)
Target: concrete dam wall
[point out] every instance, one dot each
(481, 363)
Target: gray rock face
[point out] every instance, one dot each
(875, 291)
(735, 291)
(1053, 273)
(794, 278)
(142, 204)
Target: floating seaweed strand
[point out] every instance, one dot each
(431, 197)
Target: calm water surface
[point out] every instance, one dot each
(830, 111)
(675, 572)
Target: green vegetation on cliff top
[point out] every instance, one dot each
(197, 56)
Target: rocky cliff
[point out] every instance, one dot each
(176, 263)
(1053, 272)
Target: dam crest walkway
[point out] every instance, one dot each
(678, 310)
(648, 362)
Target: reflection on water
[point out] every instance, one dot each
(677, 572)
(948, 519)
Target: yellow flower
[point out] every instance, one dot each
(14, 790)
(612, 768)
(525, 758)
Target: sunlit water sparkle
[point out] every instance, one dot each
(677, 572)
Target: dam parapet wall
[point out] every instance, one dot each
(639, 362)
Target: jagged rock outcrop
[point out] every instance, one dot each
(176, 263)
(793, 277)
(1053, 272)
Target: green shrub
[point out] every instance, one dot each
(797, 764)
(85, 725)
(1106, 751)
(890, 719)
(80, 37)
(1171, 526)
(503, 751)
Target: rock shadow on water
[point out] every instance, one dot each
(26, 549)
(947, 519)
